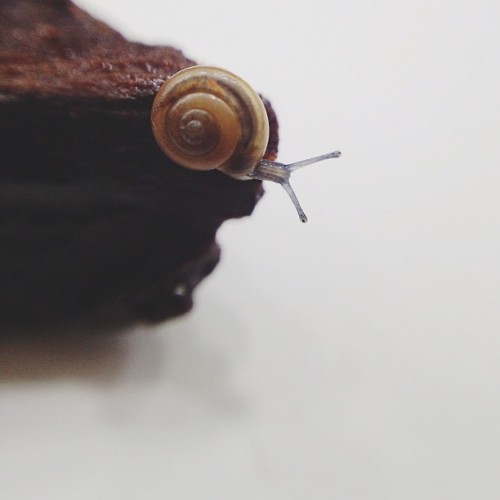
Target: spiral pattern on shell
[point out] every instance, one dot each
(206, 118)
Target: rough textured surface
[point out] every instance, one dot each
(93, 217)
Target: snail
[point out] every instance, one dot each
(207, 118)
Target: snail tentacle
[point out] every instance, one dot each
(280, 173)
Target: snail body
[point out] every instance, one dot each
(206, 118)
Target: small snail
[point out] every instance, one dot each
(206, 118)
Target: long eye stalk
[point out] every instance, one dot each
(280, 173)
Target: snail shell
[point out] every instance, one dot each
(206, 118)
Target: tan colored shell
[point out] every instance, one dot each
(207, 118)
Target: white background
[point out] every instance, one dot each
(353, 357)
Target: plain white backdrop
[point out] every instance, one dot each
(353, 357)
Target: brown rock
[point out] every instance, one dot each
(93, 217)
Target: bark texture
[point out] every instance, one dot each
(93, 217)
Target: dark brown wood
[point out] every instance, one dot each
(93, 217)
